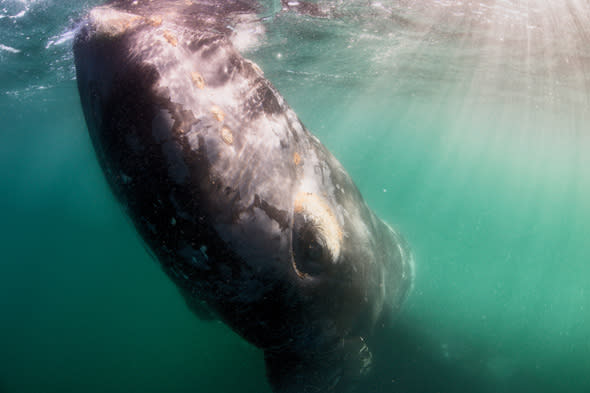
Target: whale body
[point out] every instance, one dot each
(247, 212)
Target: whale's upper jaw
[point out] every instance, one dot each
(267, 165)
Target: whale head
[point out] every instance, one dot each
(254, 220)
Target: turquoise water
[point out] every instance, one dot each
(463, 124)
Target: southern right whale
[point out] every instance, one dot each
(248, 213)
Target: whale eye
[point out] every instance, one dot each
(310, 253)
(317, 235)
(314, 250)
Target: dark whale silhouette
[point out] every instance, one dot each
(247, 212)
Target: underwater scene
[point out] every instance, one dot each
(464, 124)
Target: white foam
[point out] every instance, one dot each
(61, 39)
(25, 7)
(20, 14)
(247, 33)
(9, 49)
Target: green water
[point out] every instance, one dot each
(464, 125)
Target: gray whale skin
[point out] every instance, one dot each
(251, 217)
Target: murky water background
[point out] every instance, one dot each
(465, 124)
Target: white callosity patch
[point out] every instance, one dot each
(111, 22)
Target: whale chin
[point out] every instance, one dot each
(337, 369)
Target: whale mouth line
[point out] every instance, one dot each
(301, 274)
(317, 236)
(297, 271)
